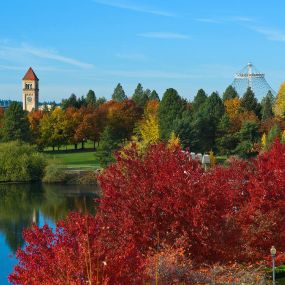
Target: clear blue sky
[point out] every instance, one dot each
(77, 45)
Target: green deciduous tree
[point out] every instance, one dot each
(170, 109)
(15, 124)
(20, 162)
(119, 93)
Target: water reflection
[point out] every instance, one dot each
(22, 205)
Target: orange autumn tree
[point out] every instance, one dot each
(1, 115)
(35, 118)
(232, 107)
(123, 116)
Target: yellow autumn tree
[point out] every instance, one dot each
(232, 107)
(213, 159)
(283, 137)
(173, 141)
(264, 141)
(279, 106)
(148, 129)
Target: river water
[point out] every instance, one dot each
(21, 205)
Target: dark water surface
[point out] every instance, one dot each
(21, 205)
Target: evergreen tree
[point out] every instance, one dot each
(199, 100)
(279, 106)
(70, 102)
(108, 144)
(205, 123)
(154, 96)
(249, 102)
(248, 136)
(203, 131)
(214, 107)
(230, 93)
(91, 98)
(147, 92)
(15, 124)
(169, 110)
(226, 139)
(119, 94)
(183, 128)
(267, 105)
(100, 101)
(140, 97)
(81, 101)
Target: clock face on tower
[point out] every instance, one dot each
(29, 99)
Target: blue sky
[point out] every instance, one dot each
(77, 45)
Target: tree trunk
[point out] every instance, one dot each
(75, 146)
(82, 144)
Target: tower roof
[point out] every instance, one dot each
(30, 75)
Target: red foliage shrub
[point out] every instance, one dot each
(228, 214)
(68, 256)
(262, 218)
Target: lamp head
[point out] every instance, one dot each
(273, 251)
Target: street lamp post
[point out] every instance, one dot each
(273, 253)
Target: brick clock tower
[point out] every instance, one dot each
(30, 91)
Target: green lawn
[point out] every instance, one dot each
(76, 160)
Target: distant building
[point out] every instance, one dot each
(5, 103)
(30, 84)
(48, 106)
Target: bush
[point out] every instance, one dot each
(87, 178)
(54, 174)
(20, 162)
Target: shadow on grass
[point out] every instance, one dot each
(70, 151)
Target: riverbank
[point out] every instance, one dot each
(70, 166)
